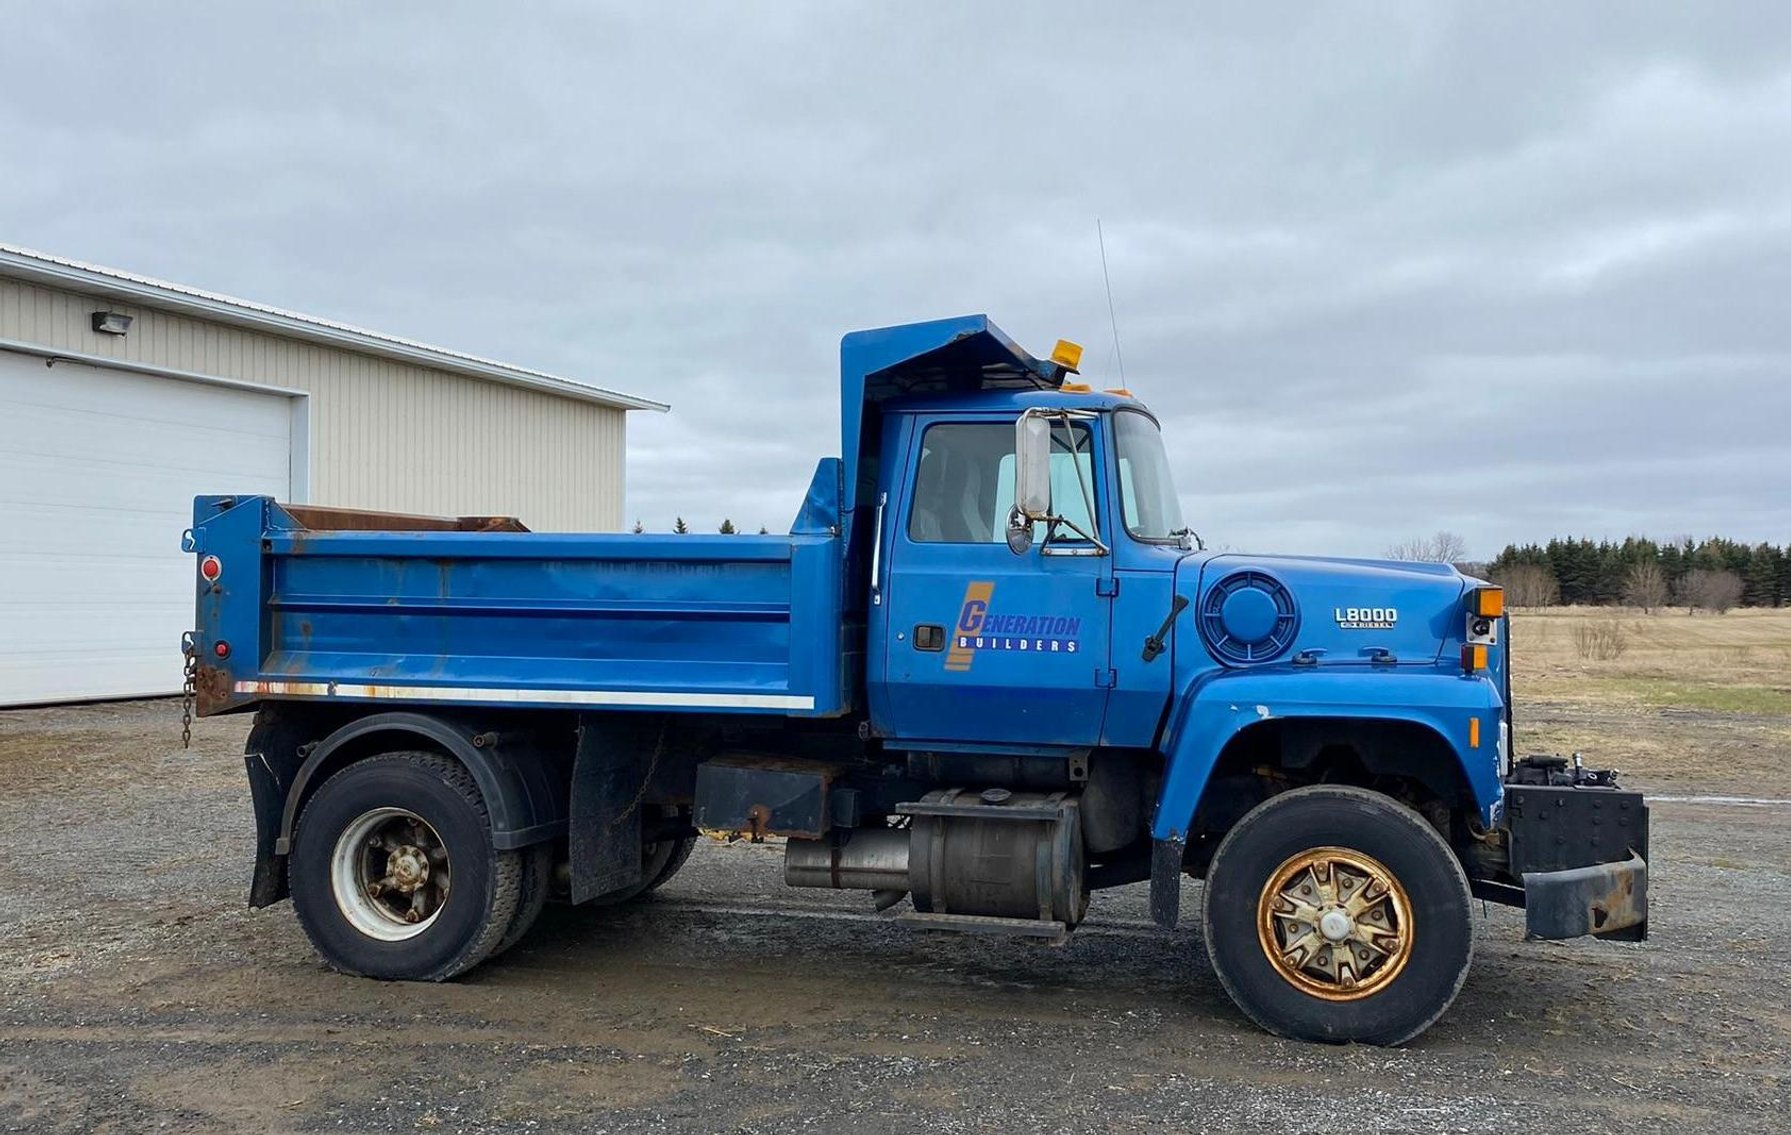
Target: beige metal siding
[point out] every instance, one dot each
(384, 434)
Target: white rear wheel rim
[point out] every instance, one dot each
(390, 874)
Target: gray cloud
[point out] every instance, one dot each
(1511, 270)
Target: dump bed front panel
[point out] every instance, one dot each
(725, 623)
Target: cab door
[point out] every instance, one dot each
(983, 645)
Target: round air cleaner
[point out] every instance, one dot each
(1249, 616)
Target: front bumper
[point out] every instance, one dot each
(1606, 899)
(1581, 852)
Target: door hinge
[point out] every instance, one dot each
(1106, 679)
(1106, 585)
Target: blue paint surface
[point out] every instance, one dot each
(1249, 615)
(1039, 652)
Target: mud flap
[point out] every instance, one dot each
(272, 759)
(1166, 881)
(608, 781)
(267, 791)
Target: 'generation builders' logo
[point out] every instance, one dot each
(978, 628)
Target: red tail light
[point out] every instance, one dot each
(210, 568)
(221, 649)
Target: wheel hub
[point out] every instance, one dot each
(1335, 923)
(408, 868)
(390, 873)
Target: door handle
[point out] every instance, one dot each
(929, 636)
(877, 553)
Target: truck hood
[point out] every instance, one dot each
(1247, 609)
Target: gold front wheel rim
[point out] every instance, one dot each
(1335, 923)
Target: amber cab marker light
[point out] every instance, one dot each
(1489, 602)
(1473, 658)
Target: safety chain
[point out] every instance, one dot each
(188, 688)
(646, 780)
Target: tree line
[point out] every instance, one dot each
(1714, 574)
(679, 528)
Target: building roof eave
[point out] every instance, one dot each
(42, 268)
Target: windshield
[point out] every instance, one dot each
(1147, 492)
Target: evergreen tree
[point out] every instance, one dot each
(680, 527)
(1672, 562)
(1761, 580)
(1602, 572)
(727, 527)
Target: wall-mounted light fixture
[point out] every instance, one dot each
(111, 322)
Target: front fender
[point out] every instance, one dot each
(1212, 711)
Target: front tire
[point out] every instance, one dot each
(1337, 914)
(393, 872)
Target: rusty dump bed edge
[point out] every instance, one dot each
(323, 518)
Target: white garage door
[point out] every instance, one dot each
(98, 470)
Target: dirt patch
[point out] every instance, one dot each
(137, 992)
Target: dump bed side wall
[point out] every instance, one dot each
(725, 623)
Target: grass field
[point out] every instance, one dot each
(1692, 702)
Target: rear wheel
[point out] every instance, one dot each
(1337, 914)
(393, 873)
(537, 882)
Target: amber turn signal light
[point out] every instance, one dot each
(1473, 658)
(1488, 602)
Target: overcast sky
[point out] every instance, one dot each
(1509, 271)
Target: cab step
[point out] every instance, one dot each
(1050, 933)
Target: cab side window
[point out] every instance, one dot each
(964, 487)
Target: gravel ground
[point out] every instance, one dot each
(138, 993)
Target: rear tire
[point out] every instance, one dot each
(376, 849)
(1337, 914)
(537, 881)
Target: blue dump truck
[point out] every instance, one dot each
(987, 672)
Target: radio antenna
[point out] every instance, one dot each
(1113, 319)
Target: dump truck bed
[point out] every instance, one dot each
(481, 611)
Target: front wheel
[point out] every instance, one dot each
(393, 872)
(1337, 914)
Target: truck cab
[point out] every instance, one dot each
(989, 671)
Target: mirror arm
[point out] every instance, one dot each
(1101, 549)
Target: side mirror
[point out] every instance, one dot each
(1032, 467)
(1019, 533)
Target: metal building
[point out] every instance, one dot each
(122, 397)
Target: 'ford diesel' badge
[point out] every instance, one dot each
(1367, 618)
